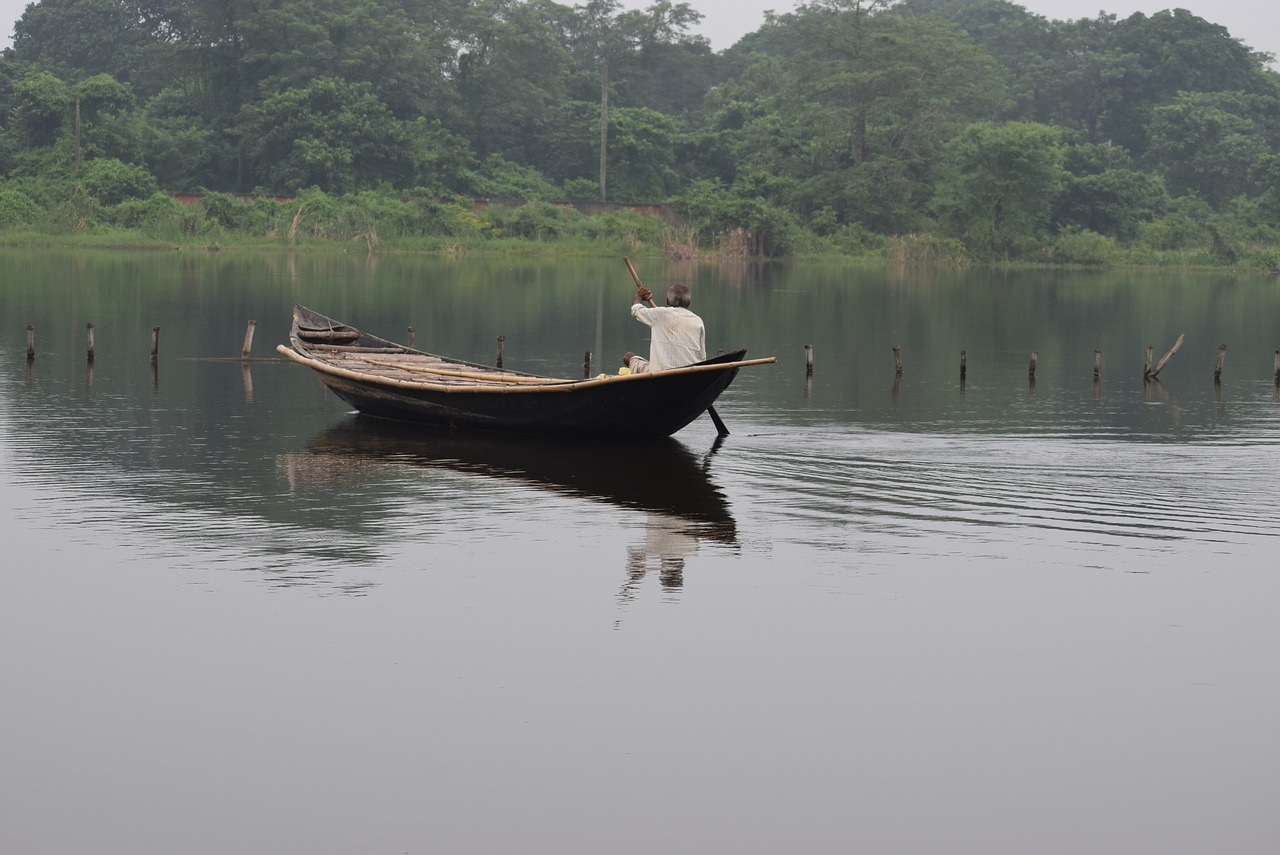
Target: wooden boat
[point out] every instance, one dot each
(381, 378)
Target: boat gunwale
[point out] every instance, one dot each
(509, 387)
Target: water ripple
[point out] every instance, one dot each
(1102, 490)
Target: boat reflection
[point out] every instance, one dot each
(661, 477)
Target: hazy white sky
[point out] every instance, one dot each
(1256, 22)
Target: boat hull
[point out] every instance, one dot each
(658, 404)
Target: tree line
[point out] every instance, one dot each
(940, 129)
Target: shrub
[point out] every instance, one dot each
(581, 190)
(160, 213)
(109, 181)
(17, 210)
(1081, 246)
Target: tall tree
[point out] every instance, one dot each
(998, 183)
(864, 104)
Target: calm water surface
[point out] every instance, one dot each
(889, 614)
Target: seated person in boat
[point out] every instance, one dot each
(678, 335)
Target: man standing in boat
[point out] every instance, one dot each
(678, 335)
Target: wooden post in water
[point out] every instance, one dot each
(31, 343)
(1217, 368)
(1155, 372)
(586, 365)
(1146, 366)
(88, 335)
(155, 343)
(808, 361)
(248, 340)
(1277, 368)
(1031, 369)
(410, 342)
(1097, 363)
(964, 364)
(897, 361)
(501, 341)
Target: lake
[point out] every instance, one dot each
(889, 613)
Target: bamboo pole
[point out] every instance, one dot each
(502, 339)
(31, 343)
(553, 386)
(897, 360)
(248, 340)
(1146, 366)
(1217, 368)
(1277, 368)
(586, 364)
(409, 343)
(155, 343)
(1164, 360)
(964, 364)
(1097, 363)
(88, 335)
(808, 360)
(467, 375)
(1031, 368)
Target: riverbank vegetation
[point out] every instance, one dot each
(940, 132)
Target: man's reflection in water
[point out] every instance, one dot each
(668, 541)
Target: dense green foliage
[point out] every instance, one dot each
(955, 129)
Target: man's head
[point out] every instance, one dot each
(678, 296)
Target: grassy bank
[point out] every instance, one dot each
(385, 224)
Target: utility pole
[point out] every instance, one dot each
(604, 123)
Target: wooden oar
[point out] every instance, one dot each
(711, 411)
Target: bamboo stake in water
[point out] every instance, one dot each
(1165, 359)
(88, 334)
(248, 340)
(897, 360)
(1031, 369)
(1217, 368)
(964, 364)
(501, 341)
(808, 360)
(586, 365)
(1277, 368)
(31, 343)
(155, 343)
(1097, 363)
(410, 342)
(1146, 366)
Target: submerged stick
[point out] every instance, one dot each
(155, 343)
(1097, 363)
(897, 360)
(1217, 368)
(88, 334)
(31, 343)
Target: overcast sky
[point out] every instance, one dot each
(1256, 22)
